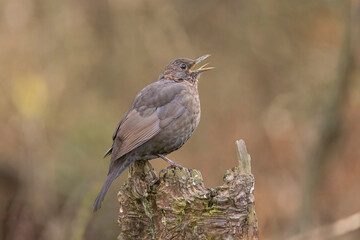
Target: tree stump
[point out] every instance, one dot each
(177, 205)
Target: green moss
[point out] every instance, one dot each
(179, 206)
(163, 218)
(227, 173)
(149, 213)
(211, 212)
(178, 221)
(215, 211)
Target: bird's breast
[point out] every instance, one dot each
(181, 129)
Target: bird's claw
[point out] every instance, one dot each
(153, 178)
(169, 167)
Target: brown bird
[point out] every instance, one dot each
(161, 119)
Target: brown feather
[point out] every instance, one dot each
(134, 131)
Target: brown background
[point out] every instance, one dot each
(287, 81)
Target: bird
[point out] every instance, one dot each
(160, 120)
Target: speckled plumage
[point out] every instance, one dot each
(161, 119)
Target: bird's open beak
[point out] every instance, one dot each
(203, 68)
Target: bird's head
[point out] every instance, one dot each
(184, 69)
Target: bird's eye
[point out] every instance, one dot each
(183, 66)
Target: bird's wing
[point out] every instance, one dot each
(134, 131)
(109, 151)
(148, 115)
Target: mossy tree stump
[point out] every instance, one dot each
(178, 205)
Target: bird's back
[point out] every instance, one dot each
(177, 108)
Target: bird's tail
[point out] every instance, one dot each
(115, 170)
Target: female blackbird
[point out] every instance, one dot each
(161, 119)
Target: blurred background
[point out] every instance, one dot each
(287, 81)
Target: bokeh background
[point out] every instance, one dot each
(287, 81)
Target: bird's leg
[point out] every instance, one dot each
(153, 175)
(169, 161)
(172, 164)
(151, 169)
(149, 166)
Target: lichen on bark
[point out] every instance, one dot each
(177, 205)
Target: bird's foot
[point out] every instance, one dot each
(172, 164)
(154, 177)
(151, 170)
(169, 167)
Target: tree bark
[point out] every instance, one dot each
(177, 205)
